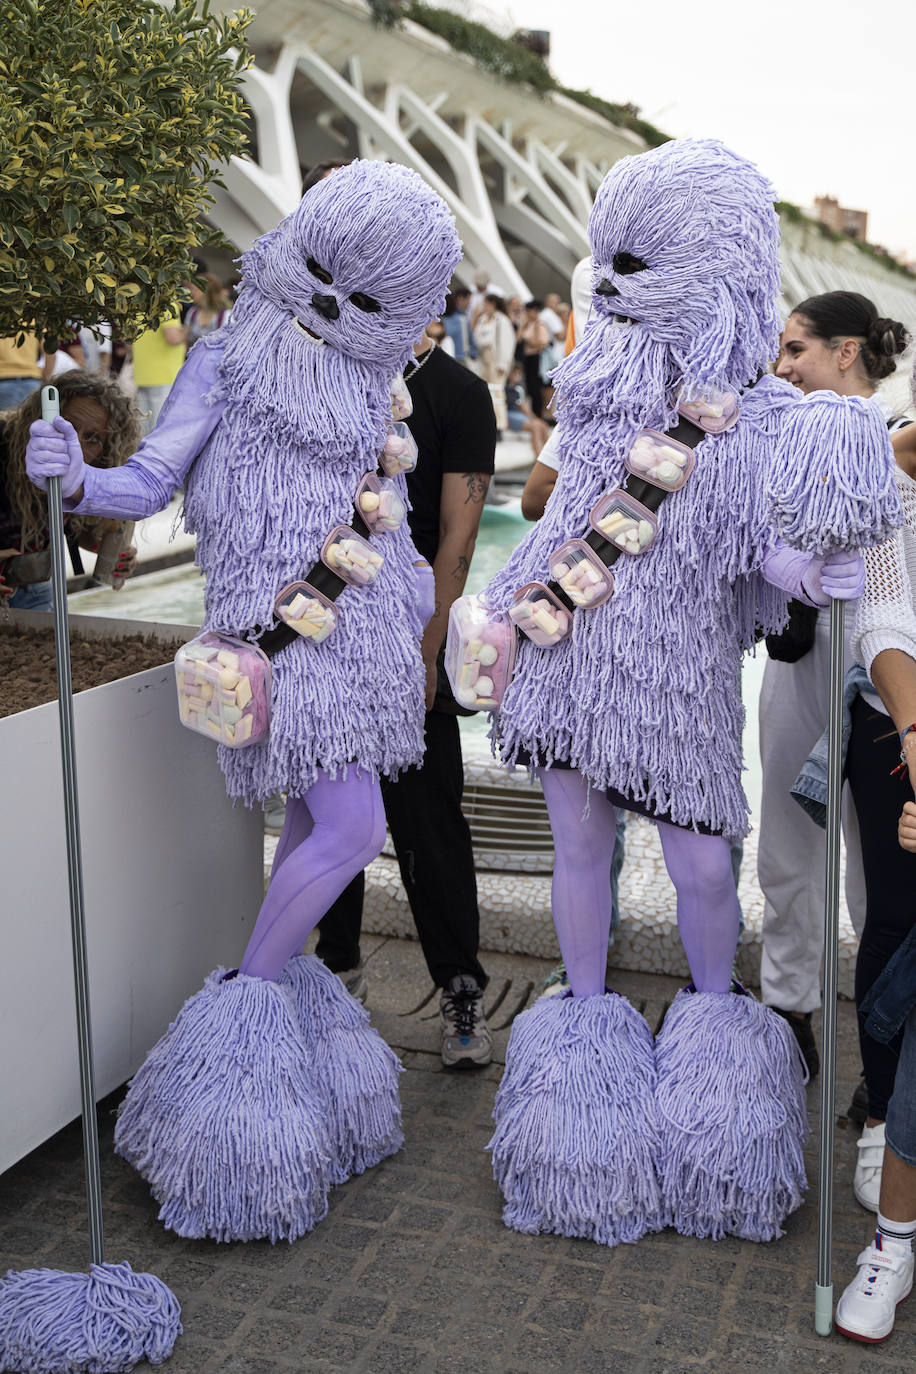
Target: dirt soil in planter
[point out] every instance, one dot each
(28, 670)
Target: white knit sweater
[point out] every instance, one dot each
(886, 615)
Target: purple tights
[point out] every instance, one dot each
(698, 865)
(330, 835)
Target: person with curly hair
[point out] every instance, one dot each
(105, 419)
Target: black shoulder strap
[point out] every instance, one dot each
(648, 495)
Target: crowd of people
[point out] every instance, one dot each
(482, 364)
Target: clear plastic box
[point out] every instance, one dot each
(400, 451)
(581, 573)
(401, 404)
(540, 615)
(714, 412)
(307, 611)
(351, 556)
(479, 654)
(380, 503)
(224, 689)
(623, 521)
(662, 461)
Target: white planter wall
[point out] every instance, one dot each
(173, 878)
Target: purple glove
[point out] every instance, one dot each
(54, 451)
(840, 575)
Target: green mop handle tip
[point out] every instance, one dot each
(50, 402)
(823, 1308)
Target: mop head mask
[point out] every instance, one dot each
(685, 249)
(336, 296)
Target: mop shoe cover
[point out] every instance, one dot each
(54, 1322)
(223, 1120)
(832, 484)
(732, 1104)
(354, 1072)
(577, 1133)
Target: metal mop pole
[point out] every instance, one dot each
(49, 409)
(823, 1290)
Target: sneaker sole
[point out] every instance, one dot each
(869, 1206)
(465, 1063)
(871, 1340)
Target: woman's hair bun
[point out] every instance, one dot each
(887, 337)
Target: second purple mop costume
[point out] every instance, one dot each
(636, 702)
(270, 1085)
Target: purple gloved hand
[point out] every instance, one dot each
(839, 575)
(54, 450)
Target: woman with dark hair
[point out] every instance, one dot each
(834, 342)
(105, 419)
(495, 339)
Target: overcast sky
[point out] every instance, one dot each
(820, 96)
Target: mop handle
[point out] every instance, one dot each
(50, 407)
(823, 1292)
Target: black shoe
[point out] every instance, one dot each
(801, 1029)
(857, 1111)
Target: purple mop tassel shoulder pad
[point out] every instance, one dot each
(832, 482)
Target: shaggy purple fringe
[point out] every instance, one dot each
(54, 1322)
(731, 1102)
(832, 486)
(303, 422)
(577, 1133)
(645, 694)
(223, 1119)
(355, 1073)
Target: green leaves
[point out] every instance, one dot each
(114, 118)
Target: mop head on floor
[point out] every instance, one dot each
(53, 1322)
(223, 1119)
(354, 1072)
(577, 1135)
(732, 1103)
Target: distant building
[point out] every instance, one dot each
(840, 220)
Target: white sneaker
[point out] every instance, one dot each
(466, 1042)
(866, 1310)
(867, 1182)
(356, 983)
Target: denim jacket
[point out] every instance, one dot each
(810, 787)
(892, 996)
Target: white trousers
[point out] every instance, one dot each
(791, 854)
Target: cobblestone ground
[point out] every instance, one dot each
(413, 1272)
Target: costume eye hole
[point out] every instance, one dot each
(367, 303)
(319, 272)
(626, 264)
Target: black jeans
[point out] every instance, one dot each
(890, 879)
(432, 840)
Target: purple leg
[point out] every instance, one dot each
(581, 892)
(297, 827)
(707, 903)
(347, 833)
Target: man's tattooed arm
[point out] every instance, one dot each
(477, 484)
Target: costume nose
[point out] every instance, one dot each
(606, 288)
(326, 306)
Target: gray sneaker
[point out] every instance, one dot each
(354, 980)
(466, 1042)
(274, 814)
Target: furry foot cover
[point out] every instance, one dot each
(355, 1074)
(732, 1102)
(577, 1135)
(223, 1120)
(53, 1322)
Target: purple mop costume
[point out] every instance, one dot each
(271, 1086)
(600, 1133)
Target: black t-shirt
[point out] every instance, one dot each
(455, 431)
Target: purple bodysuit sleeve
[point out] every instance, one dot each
(146, 482)
(784, 568)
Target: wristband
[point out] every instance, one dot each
(905, 732)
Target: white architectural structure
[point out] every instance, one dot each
(518, 170)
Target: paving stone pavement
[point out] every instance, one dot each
(413, 1272)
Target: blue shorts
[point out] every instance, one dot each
(517, 419)
(900, 1131)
